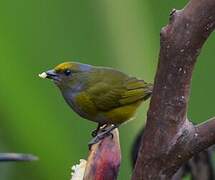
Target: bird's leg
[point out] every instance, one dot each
(104, 129)
(100, 127)
(101, 135)
(95, 132)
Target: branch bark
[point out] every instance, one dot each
(170, 139)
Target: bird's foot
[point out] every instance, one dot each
(100, 128)
(94, 133)
(105, 132)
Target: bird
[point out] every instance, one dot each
(103, 95)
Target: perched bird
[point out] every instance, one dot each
(100, 94)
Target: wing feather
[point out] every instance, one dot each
(107, 96)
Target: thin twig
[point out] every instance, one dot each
(11, 157)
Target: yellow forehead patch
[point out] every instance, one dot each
(63, 66)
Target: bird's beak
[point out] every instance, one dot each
(50, 74)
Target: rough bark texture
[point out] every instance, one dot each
(200, 167)
(170, 139)
(104, 159)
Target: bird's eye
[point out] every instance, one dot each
(67, 72)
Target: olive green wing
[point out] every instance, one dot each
(106, 96)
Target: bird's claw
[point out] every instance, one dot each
(94, 133)
(95, 140)
(99, 129)
(111, 134)
(101, 135)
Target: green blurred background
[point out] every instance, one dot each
(37, 35)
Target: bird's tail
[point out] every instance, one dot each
(148, 90)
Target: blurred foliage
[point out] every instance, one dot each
(37, 35)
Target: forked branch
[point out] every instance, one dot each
(170, 139)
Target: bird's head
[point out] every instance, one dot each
(65, 73)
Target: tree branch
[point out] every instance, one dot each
(205, 135)
(11, 157)
(104, 159)
(169, 138)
